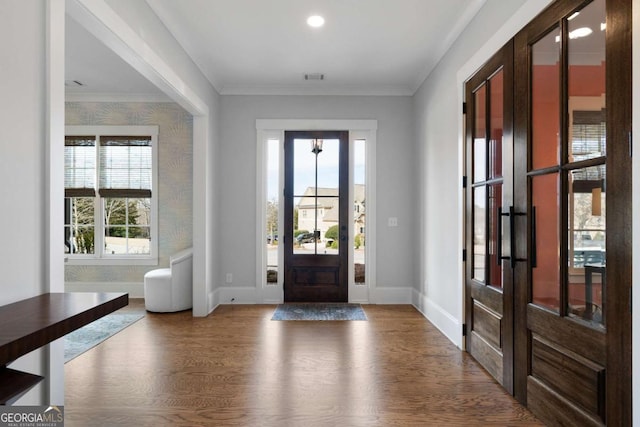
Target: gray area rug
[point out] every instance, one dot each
(319, 311)
(89, 336)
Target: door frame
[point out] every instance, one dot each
(274, 129)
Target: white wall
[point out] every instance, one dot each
(395, 192)
(22, 163)
(438, 119)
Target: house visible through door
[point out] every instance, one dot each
(316, 216)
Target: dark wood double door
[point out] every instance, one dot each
(316, 216)
(548, 208)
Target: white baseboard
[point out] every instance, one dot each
(212, 301)
(236, 295)
(249, 295)
(134, 289)
(439, 317)
(389, 295)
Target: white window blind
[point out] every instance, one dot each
(126, 166)
(79, 166)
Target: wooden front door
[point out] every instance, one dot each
(573, 172)
(316, 216)
(489, 213)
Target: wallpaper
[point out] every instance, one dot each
(175, 182)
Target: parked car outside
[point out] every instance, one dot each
(305, 238)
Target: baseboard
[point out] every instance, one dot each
(249, 295)
(439, 317)
(212, 301)
(389, 295)
(236, 295)
(134, 289)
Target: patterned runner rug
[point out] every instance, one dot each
(319, 311)
(89, 336)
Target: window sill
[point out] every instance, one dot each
(110, 261)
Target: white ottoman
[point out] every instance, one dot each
(170, 289)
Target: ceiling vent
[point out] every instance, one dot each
(314, 76)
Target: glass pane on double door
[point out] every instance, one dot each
(488, 181)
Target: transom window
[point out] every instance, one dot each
(110, 207)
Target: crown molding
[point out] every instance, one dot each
(318, 88)
(117, 97)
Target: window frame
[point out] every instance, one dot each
(99, 257)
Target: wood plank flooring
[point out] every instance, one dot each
(239, 368)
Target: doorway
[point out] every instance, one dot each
(316, 216)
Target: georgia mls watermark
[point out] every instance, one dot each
(31, 416)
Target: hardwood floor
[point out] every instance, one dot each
(239, 368)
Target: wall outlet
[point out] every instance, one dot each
(229, 278)
(393, 222)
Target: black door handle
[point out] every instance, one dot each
(512, 241)
(499, 256)
(534, 243)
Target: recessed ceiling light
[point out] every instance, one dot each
(315, 21)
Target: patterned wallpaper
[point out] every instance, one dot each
(175, 186)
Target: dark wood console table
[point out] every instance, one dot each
(34, 322)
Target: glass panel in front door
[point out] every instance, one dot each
(316, 196)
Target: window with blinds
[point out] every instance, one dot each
(79, 166)
(589, 136)
(109, 206)
(125, 166)
(587, 190)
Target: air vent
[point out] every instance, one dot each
(314, 76)
(73, 83)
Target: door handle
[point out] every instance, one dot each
(534, 243)
(512, 241)
(499, 256)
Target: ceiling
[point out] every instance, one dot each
(369, 47)
(98, 68)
